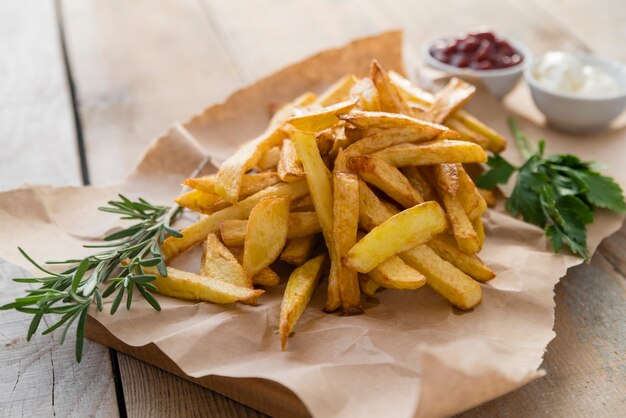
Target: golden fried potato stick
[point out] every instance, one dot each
(401, 232)
(372, 212)
(299, 250)
(387, 178)
(390, 99)
(433, 152)
(451, 98)
(447, 280)
(289, 168)
(286, 111)
(189, 286)
(269, 160)
(446, 248)
(219, 262)
(300, 224)
(250, 183)
(266, 277)
(298, 292)
(198, 201)
(418, 181)
(365, 91)
(473, 202)
(447, 178)
(266, 233)
(368, 286)
(338, 92)
(197, 232)
(495, 142)
(455, 286)
(346, 219)
(318, 180)
(322, 119)
(393, 273)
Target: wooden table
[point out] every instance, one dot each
(87, 84)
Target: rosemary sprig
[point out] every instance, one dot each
(119, 265)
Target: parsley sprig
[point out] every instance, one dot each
(558, 193)
(119, 266)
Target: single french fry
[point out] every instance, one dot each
(421, 129)
(447, 151)
(266, 277)
(346, 218)
(197, 232)
(390, 98)
(198, 201)
(300, 224)
(303, 204)
(250, 183)
(219, 262)
(300, 287)
(381, 139)
(266, 233)
(419, 183)
(372, 212)
(393, 273)
(299, 250)
(289, 168)
(489, 196)
(368, 286)
(387, 178)
(338, 92)
(447, 280)
(479, 228)
(189, 286)
(446, 248)
(367, 94)
(321, 119)
(496, 142)
(451, 98)
(447, 178)
(464, 233)
(269, 159)
(469, 196)
(286, 111)
(318, 180)
(401, 232)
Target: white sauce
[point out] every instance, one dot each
(565, 73)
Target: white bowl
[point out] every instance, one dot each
(499, 82)
(582, 115)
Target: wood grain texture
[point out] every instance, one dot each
(139, 66)
(145, 398)
(36, 125)
(41, 378)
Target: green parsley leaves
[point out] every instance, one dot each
(557, 193)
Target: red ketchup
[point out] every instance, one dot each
(480, 50)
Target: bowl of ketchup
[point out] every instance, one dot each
(480, 56)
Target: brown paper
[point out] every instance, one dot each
(410, 354)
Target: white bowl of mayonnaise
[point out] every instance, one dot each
(577, 92)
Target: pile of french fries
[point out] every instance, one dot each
(364, 185)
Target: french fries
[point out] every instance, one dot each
(298, 292)
(266, 233)
(299, 225)
(372, 154)
(387, 178)
(346, 218)
(189, 286)
(431, 153)
(401, 232)
(219, 262)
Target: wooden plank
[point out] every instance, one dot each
(585, 362)
(40, 378)
(36, 125)
(139, 66)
